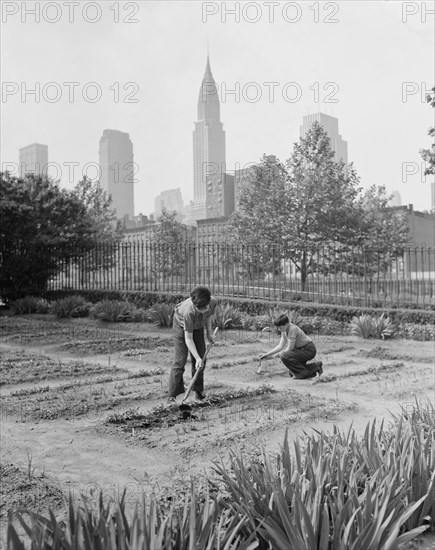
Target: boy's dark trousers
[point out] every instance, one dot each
(296, 361)
(181, 351)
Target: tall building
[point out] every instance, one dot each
(208, 143)
(330, 125)
(220, 196)
(118, 170)
(396, 199)
(172, 200)
(33, 159)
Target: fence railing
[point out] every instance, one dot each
(364, 277)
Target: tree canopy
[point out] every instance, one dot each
(429, 154)
(170, 238)
(42, 225)
(312, 202)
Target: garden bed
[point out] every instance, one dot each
(65, 418)
(19, 366)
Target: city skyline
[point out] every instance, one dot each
(331, 126)
(118, 170)
(374, 87)
(209, 152)
(33, 159)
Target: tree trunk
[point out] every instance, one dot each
(303, 270)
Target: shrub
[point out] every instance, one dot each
(295, 317)
(325, 326)
(273, 314)
(227, 316)
(257, 307)
(245, 321)
(417, 332)
(25, 305)
(30, 304)
(333, 311)
(138, 315)
(111, 311)
(162, 315)
(258, 322)
(71, 306)
(42, 306)
(367, 326)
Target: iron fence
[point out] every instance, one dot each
(361, 277)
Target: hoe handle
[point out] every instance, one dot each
(192, 382)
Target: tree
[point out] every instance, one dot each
(170, 244)
(42, 227)
(381, 227)
(257, 225)
(262, 204)
(321, 195)
(103, 230)
(428, 155)
(103, 225)
(312, 210)
(382, 234)
(301, 206)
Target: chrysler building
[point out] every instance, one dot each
(208, 144)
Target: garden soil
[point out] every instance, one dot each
(51, 449)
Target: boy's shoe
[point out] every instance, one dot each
(171, 401)
(319, 368)
(199, 396)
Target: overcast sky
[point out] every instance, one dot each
(372, 58)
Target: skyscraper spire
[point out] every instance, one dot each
(208, 101)
(208, 137)
(208, 74)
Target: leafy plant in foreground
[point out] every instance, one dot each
(195, 525)
(330, 491)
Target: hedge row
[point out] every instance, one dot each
(257, 307)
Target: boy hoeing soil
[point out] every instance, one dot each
(190, 318)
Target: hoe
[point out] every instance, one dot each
(184, 406)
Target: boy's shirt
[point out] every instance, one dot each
(189, 318)
(296, 338)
